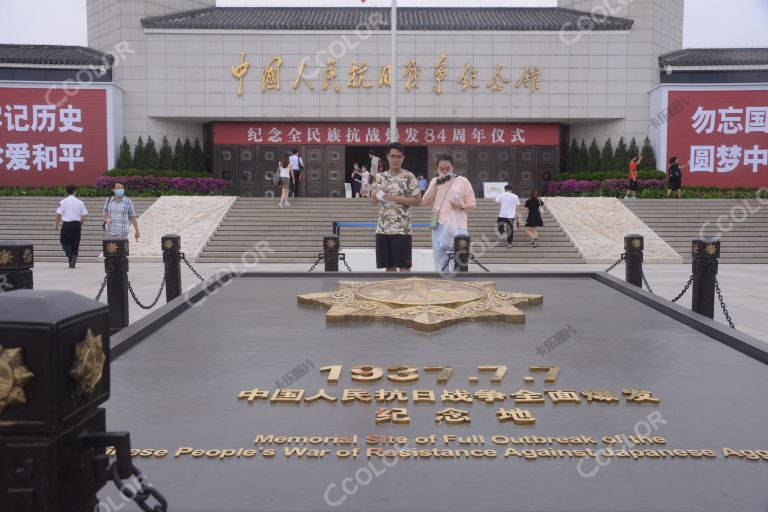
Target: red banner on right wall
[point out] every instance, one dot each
(723, 134)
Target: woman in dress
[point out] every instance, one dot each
(365, 185)
(356, 180)
(533, 222)
(675, 177)
(286, 177)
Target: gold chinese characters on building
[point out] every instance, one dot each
(423, 304)
(327, 72)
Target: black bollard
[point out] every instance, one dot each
(461, 246)
(17, 257)
(705, 252)
(54, 373)
(116, 267)
(331, 253)
(171, 245)
(633, 259)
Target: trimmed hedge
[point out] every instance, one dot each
(591, 176)
(647, 189)
(151, 172)
(136, 186)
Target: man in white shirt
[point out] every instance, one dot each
(374, 163)
(72, 212)
(297, 164)
(507, 213)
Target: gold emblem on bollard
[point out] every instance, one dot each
(6, 258)
(88, 369)
(26, 256)
(13, 377)
(423, 304)
(168, 244)
(111, 247)
(330, 244)
(636, 244)
(711, 249)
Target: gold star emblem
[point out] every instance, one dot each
(695, 250)
(168, 244)
(111, 247)
(463, 244)
(6, 258)
(423, 304)
(636, 244)
(88, 369)
(13, 377)
(26, 256)
(711, 249)
(330, 244)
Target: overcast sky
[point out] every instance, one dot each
(708, 23)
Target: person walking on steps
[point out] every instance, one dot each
(533, 221)
(507, 213)
(286, 176)
(72, 212)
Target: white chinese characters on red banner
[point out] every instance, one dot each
(424, 134)
(44, 143)
(724, 135)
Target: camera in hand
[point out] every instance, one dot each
(443, 179)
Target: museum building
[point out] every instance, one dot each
(504, 90)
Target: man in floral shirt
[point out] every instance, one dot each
(395, 191)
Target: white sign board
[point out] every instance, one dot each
(491, 189)
(348, 190)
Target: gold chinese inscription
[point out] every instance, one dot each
(270, 75)
(14, 376)
(88, 368)
(423, 304)
(239, 72)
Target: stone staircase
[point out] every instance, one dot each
(32, 219)
(295, 233)
(744, 238)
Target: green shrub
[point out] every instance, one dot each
(609, 175)
(152, 172)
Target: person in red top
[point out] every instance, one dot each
(632, 190)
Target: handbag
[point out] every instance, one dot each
(276, 177)
(433, 221)
(106, 207)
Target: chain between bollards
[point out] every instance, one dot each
(474, 260)
(187, 263)
(343, 259)
(623, 256)
(722, 304)
(685, 289)
(139, 496)
(645, 281)
(154, 302)
(317, 261)
(101, 289)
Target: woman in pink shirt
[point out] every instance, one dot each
(451, 197)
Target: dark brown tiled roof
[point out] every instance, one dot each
(408, 18)
(52, 55)
(716, 57)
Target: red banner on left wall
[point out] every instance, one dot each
(44, 142)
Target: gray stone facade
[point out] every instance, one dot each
(596, 82)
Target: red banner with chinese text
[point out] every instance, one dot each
(50, 138)
(723, 134)
(421, 134)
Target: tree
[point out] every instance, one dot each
(186, 155)
(138, 155)
(632, 151)
(124, 160)
(593, 157)
(572, 162)
(151, 159)
(178, 155)
(583, 159)
(166, 155)
(607, 155)
(620, 159)
(649, 156)
(198, 160)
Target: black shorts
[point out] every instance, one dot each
(632, 184)
(393, 251)
(675, 185)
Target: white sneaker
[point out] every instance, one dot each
(279, 205)
(286, 203)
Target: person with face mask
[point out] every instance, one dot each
(119, 213)
(451, 197)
